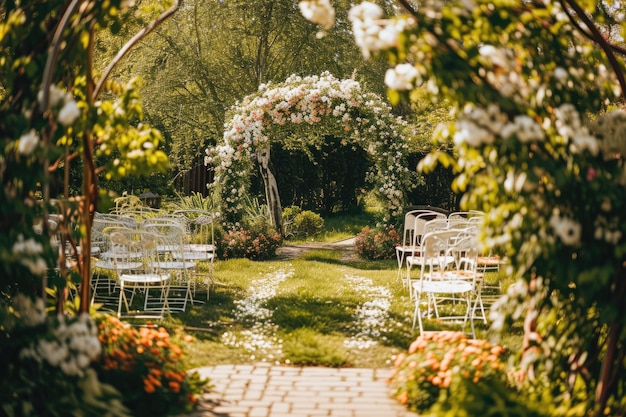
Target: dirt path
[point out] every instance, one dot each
(346, 247)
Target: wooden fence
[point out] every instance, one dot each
(195, 179)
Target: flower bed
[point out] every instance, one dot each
(145, 364)
(435, 359)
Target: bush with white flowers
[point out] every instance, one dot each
(540, 146)
(310, 108)
(53, 357)
(53, 120)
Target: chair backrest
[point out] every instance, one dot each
(135, 246)
(409, 224)
(171, 233)
(420, 220)
(464, 250)
(200, 224)
(102, 222)
(449, 247)
(434, 225)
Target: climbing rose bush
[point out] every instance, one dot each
(310, 108)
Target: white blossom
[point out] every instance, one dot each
(320, 12)
(72, 346)
(610, 130)
(582, 141)
(28, 142)
(365, 11)
(525, 128)
(36, 266)
(55, 96)
(567, 230)
(561, 75)
(371, 32)
(69, 113)
(514, 183)
(497, 57)
(31, 313)
(402, 77)
(468, 132)
(568, 121)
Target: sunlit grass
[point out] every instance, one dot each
(322, 308)
(314, 314)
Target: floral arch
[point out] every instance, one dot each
(308, 110)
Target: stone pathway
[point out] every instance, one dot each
(263, 390)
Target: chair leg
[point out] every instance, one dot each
(417, 315)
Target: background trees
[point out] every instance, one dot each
(213, 53)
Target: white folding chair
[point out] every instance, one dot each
(437, 282)
(136, 257)
(424, 223)
(411, 227)
(201, 244)
(171, 234)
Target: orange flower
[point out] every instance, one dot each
(174, 386)
(148, 386)
(175, 376)
(403, 397)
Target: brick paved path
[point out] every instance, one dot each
(263, 390)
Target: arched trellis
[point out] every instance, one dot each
(305, 111)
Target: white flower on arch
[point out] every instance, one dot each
(296, 105)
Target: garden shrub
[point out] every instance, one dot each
(447, 373)
(146, 365)
(300, 224)
(377, 243)
(308, 223)
(257, 242)
(46, 369)
(289, 216)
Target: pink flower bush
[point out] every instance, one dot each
(379, 243)
(258, 242)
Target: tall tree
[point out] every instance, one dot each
(213, 53)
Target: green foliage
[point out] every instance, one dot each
(196, 69)
(195, 201)
(536, 147)
(377, 243)
(301, 224)
(37, 349)
(48, 120)
(147, 365)
(327, 178)
(490, 397)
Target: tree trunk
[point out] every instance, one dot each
(271, 189)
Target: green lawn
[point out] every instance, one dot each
(317, 309)
(314, 310)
